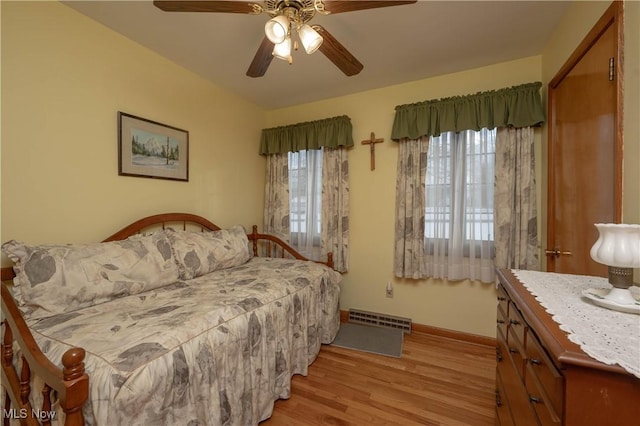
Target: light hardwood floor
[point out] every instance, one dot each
(437, 381)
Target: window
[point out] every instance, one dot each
(459, 194)
(305, 201)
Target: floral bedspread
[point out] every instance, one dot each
(214, 350)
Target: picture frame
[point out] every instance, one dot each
(150, 149)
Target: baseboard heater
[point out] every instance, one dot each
(380, 320)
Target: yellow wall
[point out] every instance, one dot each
(64, 78)
(464, 306)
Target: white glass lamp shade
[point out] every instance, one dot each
(277, 29)
(618, 245)
(283, 50)
(310, 38)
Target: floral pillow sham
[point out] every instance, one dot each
(88, 274)
(198, 253)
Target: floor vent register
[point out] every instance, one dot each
(380, 320)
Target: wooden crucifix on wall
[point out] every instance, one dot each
(372, 144)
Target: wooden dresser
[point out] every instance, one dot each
(542, 378)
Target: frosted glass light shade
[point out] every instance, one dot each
(310, 38)
(618, 245)
(283, 50)
(277, 29)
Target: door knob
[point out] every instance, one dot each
(556, 252)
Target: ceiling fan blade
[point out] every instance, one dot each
(205, 6)
(337, 53)
(262, 59)
(339, 6)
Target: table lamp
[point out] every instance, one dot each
(618, 247)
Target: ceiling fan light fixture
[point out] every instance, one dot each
(277, 29)
(283, 50)
(284, 15)
(310, 38)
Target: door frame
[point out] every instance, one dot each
(612, 16)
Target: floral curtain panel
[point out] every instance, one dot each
(276, 197)
(410, 209)
(335, 207)
(516, 234)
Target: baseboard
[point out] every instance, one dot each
(441, 332)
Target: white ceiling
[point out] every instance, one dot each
(395, 44)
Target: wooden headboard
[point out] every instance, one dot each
(184, 221)
(264, 245)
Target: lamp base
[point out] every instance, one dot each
(607, 298)
(621, 296)
(620, 277)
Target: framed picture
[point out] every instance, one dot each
(150, 149)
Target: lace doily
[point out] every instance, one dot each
(609, 336)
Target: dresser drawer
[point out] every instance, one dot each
(517, 325)
(515, 341)
(543, 373)
(515, 407)
(502, 320)
(503, 299)
(503, 410)
(540, 402)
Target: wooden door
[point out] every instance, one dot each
(585, 154)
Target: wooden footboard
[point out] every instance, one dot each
(71, 382)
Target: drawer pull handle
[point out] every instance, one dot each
(514, 322)
(500, 321)
(502, 298)
(498, 398)
(535, 361)
(535, 400)
(513, 350)
(498, 354)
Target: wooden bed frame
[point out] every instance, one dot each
(71, 382)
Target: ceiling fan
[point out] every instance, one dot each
(289, 17)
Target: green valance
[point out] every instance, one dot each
(329, 132)
(517, 106)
